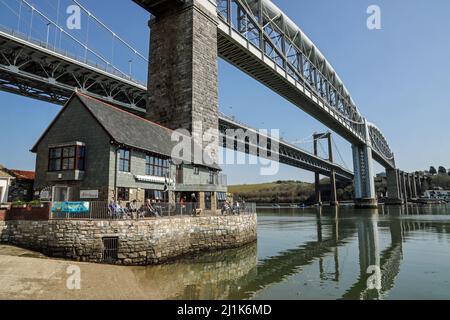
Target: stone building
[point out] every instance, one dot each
(93, 151)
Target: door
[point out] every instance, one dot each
(61, 194)
(1, 195)
(208, 196)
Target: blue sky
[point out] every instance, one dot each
(398, 76)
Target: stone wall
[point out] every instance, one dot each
(140, 242)
(3, 235)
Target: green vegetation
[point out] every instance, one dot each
(276, 192)
(292, 192)
(23, 203)
(440, 181)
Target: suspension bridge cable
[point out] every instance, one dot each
(8, 7)
(20, 14)
(322, 148)
(339, 153)
(111, 31)
(73, 38)
(57, 20)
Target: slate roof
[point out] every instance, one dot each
(129, 129)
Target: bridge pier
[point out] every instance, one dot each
(395, 196)
(409, 186)
(317, 189)
(183, 71)
(413, 186)
(404, 188)
(365, 196)
(419, 185)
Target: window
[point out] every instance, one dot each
(124, 160)
(123, 194)
(155, 166)
(67, 158)
(81, 158)
(211, 178)
(179, 174)
(154, 195)
(196, 171)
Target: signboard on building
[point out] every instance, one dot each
(45, 195)
(89, 194)
(71, 207)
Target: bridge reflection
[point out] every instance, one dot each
(237, 274)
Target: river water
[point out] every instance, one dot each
(389, 253)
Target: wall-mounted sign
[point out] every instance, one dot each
(89, 194)
(45, 195)
(71, 207)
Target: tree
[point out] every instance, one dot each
(442, 170)
(433, 170)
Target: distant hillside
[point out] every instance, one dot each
(299, 192)
(284, 192)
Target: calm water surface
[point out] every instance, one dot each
(312, 254)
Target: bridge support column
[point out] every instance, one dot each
(333, 195)
(317, 189)
(404, 188)
(419, 185)
(409, 186)
(364, 177)
(394, 187)
(183, 89)
(333, 191)
(414, 186)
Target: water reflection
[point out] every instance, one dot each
(318, 253)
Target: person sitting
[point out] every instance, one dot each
(225, 208)
(112, 208)
(132, 208)
(150, 209)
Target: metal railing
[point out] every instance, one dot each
(99, 210)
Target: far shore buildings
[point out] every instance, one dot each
(93, 151)
(16, 185)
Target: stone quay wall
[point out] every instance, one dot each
(142, 242)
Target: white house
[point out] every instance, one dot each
(5, 182)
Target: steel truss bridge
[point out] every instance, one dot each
(253, 35)
(257, 37)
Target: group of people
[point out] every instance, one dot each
(132, 210)
(231, 209)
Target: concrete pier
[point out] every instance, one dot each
(364, 177)
(395, 196)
